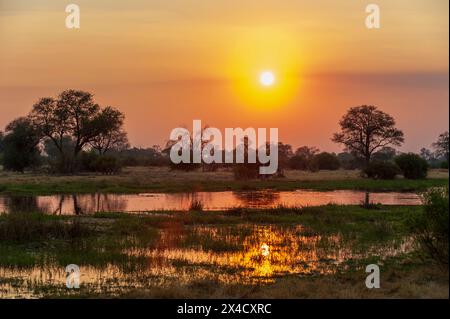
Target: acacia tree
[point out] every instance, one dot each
(442, 146)
(74, 117)
(365, 129)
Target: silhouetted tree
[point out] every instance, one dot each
(441, 146)
(111, 136)
(365, 129)
(20, 145)
(75, 116)
(426, 154)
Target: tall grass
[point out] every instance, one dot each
(27, 227)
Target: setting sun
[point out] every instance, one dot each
(267, 78)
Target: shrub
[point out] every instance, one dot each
(412, 165)
(382, 170)
(430, 229)
(325, 160)
(105, 164)
(444, 165)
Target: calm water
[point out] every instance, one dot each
(91, 203)
(183, 256)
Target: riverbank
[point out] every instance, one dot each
(161, 179)
(311, 252)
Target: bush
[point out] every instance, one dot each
(105, 164)
(412, 165)
(382, 170)
(444, 165)
(325, 160)
(430, 229)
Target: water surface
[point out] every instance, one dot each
(91, 203)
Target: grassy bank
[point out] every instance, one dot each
(315, 252)
(143, 179)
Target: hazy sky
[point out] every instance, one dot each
(167, 62)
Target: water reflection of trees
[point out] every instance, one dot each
(89, 203)
(366, 202)
(185, 200)
(257, 199)
(14, 204)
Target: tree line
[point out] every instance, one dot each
(72, 133)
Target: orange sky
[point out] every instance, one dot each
(165, 63)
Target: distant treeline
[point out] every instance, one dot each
(71, 133)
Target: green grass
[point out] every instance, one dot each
(400, 185)
(137, 180)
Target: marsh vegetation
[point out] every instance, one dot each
(291, 252)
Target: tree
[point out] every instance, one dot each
(365, 129)
(426, 154)
(111, 136)
(76, 117)
(442, 146)
(21, 145)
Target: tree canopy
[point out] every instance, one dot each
(365, 129)
(20, 145)
(73, 122)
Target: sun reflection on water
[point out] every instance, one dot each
(182, 255)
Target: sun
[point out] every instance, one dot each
(267, 78)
